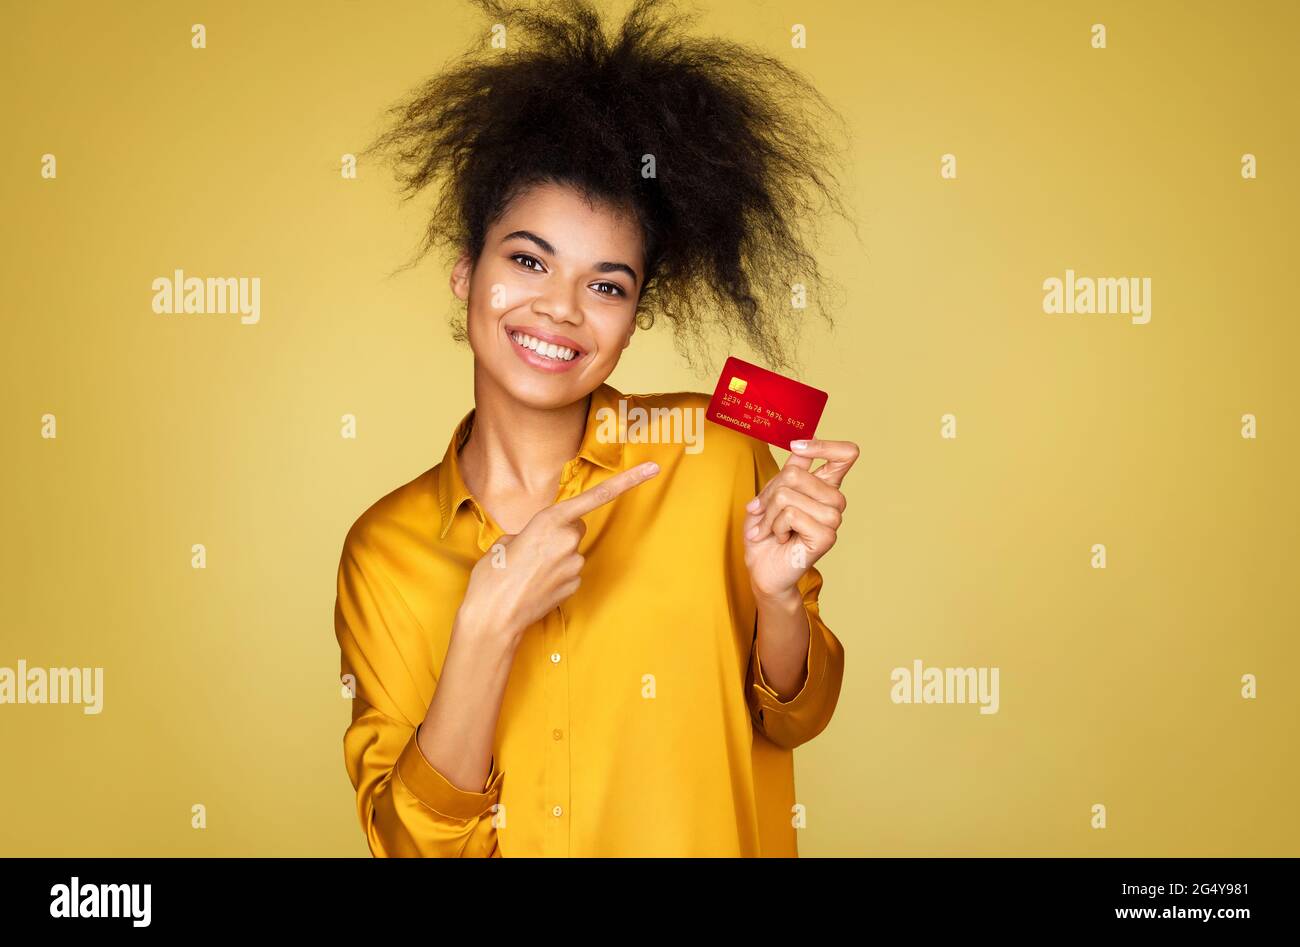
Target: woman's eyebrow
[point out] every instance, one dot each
(529, 235)
(606, 267)
(603, 267)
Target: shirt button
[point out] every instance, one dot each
(555, 657)
(558, 734)
(557, 812)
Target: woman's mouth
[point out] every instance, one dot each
(541, 354)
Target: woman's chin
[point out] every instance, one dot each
(546, 392)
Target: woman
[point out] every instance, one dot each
(564, 639)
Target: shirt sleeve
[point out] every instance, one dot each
(407, 808)
(797, 720)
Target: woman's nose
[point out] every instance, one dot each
(559, 301)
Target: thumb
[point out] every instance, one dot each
(798, 460)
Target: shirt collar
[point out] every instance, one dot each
(452, 491)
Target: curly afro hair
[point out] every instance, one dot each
(726, 156)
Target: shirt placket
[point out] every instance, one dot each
(556, 779)
(555, 674)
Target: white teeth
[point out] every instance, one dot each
(558, 352)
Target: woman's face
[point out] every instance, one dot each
(552, 298)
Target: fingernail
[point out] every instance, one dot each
(753, 505)
(649, 468)
(753, 532)
(798, 445)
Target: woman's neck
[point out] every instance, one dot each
(517, 449)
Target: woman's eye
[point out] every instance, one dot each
(526, 260)
(617, 290)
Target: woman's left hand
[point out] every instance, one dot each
(793, 521)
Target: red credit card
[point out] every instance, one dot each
(765, 405)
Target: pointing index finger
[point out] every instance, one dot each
(605, 491)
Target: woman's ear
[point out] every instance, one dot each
(631, 330)
(460, 274)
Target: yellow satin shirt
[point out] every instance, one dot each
(636, 719)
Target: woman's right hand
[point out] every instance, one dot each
(526, 575)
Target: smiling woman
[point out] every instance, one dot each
(725, 157)
(566, 643)
(555, 287)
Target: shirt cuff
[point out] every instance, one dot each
(814, 667)
(435, 791)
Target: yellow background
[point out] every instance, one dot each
(1118, 686)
